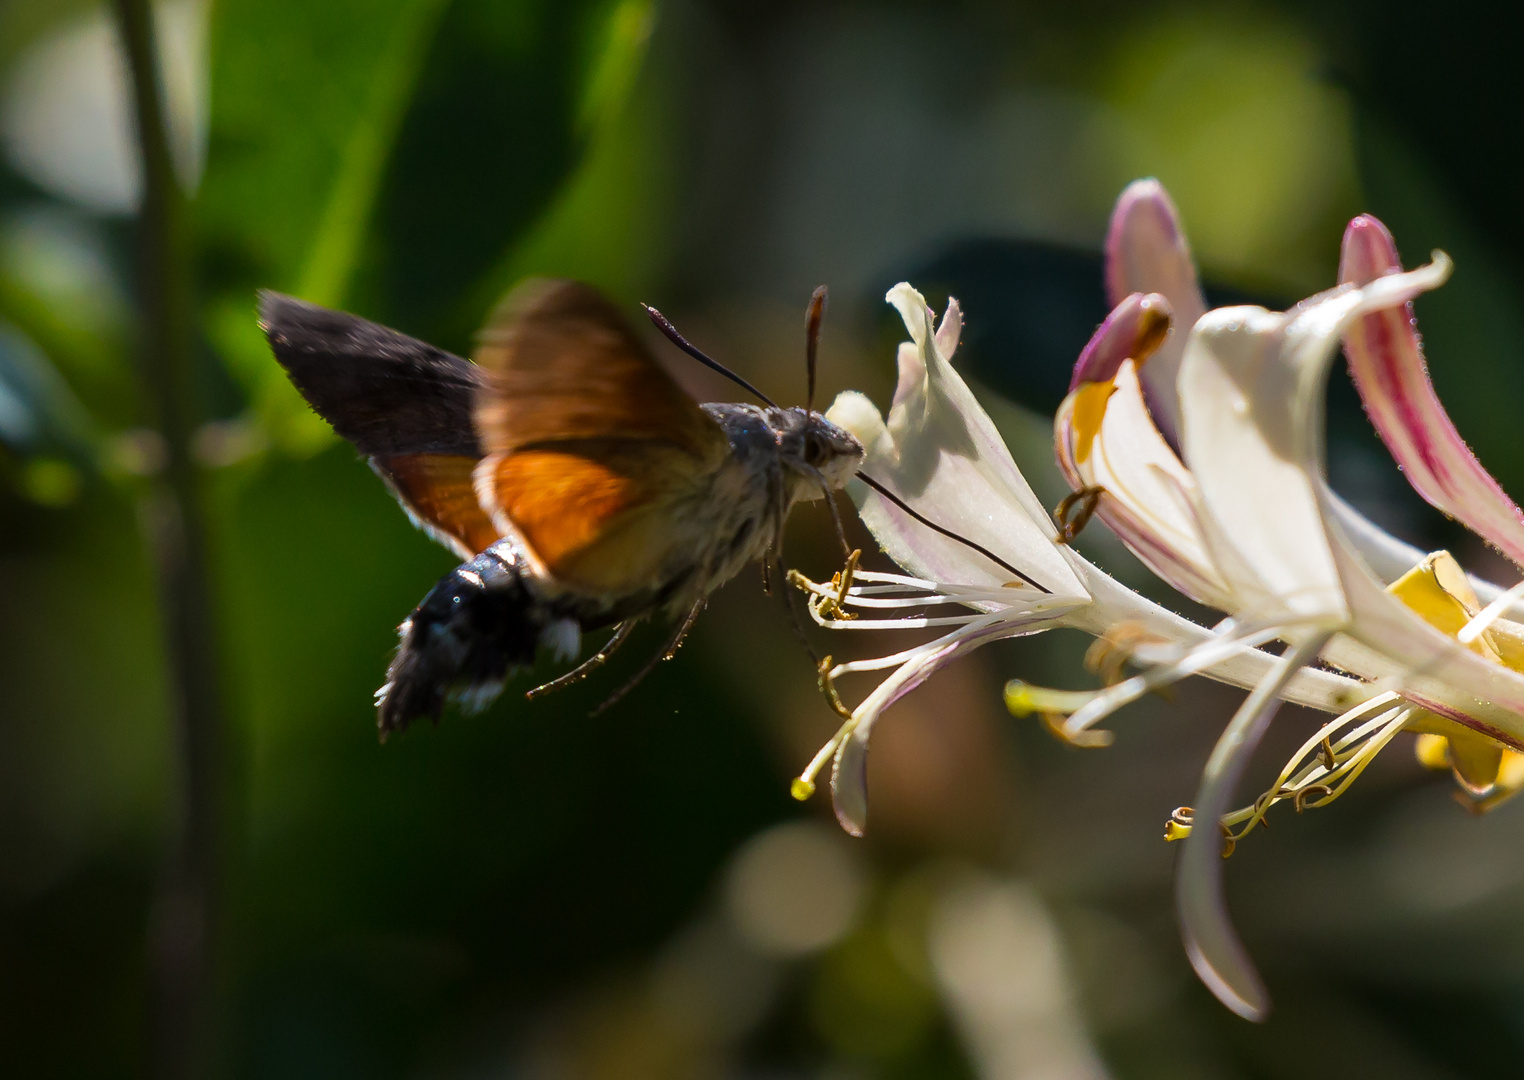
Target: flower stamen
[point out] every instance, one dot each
(1054, 707)
(1299, 800)
(803, 785)
(1110, 653)
(831, 607)
(827, 685)
(1324, 766)
(1074, 512)
(1181, 821)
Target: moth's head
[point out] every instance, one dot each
(815, 447)
(824, 454)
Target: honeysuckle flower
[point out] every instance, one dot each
(1243, 519)
(985, 561)
(1147, 253)
(1106, 439)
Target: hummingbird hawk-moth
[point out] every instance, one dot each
(581, 485)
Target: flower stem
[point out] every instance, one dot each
(173, 512)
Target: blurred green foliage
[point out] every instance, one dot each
(519, 893)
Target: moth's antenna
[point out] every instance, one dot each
(813, 314)
(692, 350)
(932, 525)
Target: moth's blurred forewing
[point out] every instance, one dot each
(562, 363)
(600, 515)
(403, 403)
(385, 392)
(592, 448)
(437, 491)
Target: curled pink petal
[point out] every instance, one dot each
(1146, 251)
(1387, 363)
(849, 771)
(1135, 329)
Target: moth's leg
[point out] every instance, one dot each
(774, 558)
(774, 552)
(841, 529)
(591, 664)
(674, 643)
(830, 501)
(794, 621)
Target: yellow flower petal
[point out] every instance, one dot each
(1089, 410)
(1437, 591)
(1432, 751)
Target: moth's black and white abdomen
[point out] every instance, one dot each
(478, 625)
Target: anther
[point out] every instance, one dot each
(1178, 827)
(1085, 740)
(1054, 707)
(1074, 512)
(1153, 327)
(828, 688)
(1262, 804)
(1110, 652)
(1183, 818)
(1329, 759)
(1300, 801)
(831, 607)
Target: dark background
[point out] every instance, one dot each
(535, 893)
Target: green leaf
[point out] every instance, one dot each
(306, 102)
(494, 131)
(386, 156)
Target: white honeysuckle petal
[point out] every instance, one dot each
(1261, 518)
(1275, 380)
(950, 329)
(1431, 666)
(944, 404)
(911, 372)
(855, 413)
(1210, 941)
(994, 522)
(1148, 492)
(942, 455)
(1147, 252)
(1252, 386)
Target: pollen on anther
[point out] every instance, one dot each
(801, 789)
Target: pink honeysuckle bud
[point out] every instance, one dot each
(1146, 252)
(1134, 330)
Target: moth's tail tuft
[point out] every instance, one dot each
(476, 625)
